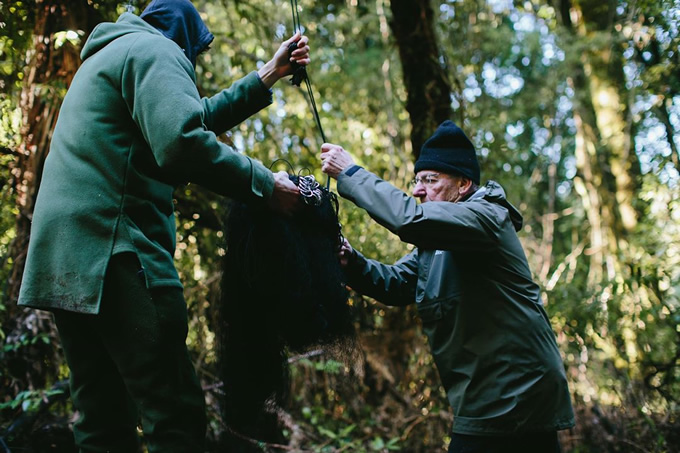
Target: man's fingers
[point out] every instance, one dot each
(303, 61)
(326, 147)
(291, 40)
(285, 183)
(302, 43)
(300, 52)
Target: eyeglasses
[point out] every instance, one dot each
(427, 180)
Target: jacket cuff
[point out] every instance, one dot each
(262, 184)
(351, 170)
(347, 182)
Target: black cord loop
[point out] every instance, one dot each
(292, 169)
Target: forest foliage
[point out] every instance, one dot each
(573, 106)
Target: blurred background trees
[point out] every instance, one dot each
(574, 108)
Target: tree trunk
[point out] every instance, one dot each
(605, 79)
(608, 166)
(661, 111)
(427, 86)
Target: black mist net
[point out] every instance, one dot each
(282, 293)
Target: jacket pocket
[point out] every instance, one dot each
(430, 311)
(436, 310)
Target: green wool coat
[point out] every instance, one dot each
(482, 313)
(132, 127)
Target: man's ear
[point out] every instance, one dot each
(464, 185)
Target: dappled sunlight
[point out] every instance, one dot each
(574, 111)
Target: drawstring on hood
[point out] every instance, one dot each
(179, 21)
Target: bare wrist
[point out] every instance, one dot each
(268, 74)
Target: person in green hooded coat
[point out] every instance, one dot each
(132, 127)
(482, 312)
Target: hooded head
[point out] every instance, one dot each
(180, 22)
(449, 151)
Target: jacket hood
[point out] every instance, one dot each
(179, 21)
(106, 32)
(494, 193)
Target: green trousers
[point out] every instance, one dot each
(130, 362)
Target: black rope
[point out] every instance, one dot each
(296, 15)
(317, 118)
(271, 166)
(300, 74)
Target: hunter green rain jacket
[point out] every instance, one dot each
(481, 310)
(132, 127)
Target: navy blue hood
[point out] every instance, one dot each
(179, 21)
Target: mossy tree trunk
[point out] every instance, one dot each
(425, 76)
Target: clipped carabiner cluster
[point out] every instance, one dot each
(310, 190)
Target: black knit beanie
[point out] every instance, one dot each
(449, 151)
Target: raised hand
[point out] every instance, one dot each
(334, 159)
(280, 64)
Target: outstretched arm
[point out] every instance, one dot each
(249, 95)
(432, 225)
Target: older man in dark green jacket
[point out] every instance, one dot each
(131, 128)
(469, 277)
